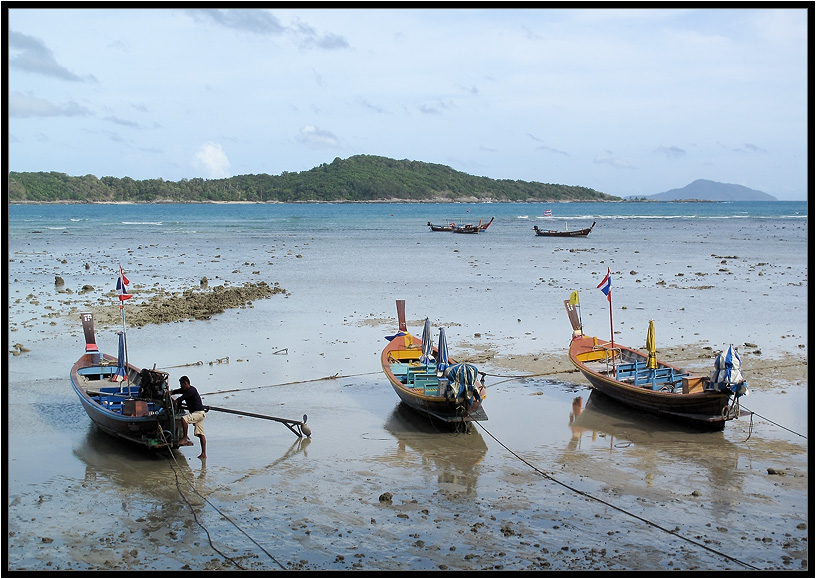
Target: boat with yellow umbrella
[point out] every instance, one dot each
(641, 380)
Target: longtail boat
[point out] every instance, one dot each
(449, 227)
(466, 228)
(122, 400)
(427, 380)
(564, 232)
(462, 228)
(642, 381)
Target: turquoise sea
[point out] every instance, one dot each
(390, 217)
(672, 261)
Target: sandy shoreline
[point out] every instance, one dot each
(555, 480)
(342, 522)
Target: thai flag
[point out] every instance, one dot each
(548, 213)
(121, 286)
(606, 285)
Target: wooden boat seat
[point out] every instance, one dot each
(594, 356)
(429, 386)
(399, 369)
(599, 352)
(640, 375)
(401, 355)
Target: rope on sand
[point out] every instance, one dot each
(176, 471)
(610, 505)
(774, 423)
(332, 377)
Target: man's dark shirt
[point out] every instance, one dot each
(190, 397)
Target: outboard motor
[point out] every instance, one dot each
(462, 383)
(727, 373)
(152, 384)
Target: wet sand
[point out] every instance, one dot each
(555, 480)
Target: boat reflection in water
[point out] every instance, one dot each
(662, 451)
(135, 477)
(451, 456)
(604, 416)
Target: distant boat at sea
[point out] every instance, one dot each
(462, 227)
(564, 232)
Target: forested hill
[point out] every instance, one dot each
(358, 178)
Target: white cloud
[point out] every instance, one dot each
(27, 105)
(212, 159)
(672, 151)
(318, 138)
(32, 55)
(609, 158)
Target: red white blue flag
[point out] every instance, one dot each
(121, 286)
(606, 285)
(548, 213)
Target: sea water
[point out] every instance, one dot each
(716, 271)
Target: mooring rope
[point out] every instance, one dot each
(775, 423)
(332, 377)
(176, 472)
(624, 511)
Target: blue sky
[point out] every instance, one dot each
(626, 101)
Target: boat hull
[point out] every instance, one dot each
(705, 408)
(464, 228)
(564, 233)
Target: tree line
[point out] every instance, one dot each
(358, 178)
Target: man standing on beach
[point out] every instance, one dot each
(190, 396)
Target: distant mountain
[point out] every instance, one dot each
(706, 190)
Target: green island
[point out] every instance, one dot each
(360, 178)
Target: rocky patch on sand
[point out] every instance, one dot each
(190, 304)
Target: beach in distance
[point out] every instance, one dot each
(556, 479)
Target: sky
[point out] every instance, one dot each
(627, 101)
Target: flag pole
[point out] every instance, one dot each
(606, 287)
(124, 336)
(124, 331)
(611, 330)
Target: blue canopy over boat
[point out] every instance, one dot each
(120, 373)
(442, 352)
(427, 347)
(727, 372)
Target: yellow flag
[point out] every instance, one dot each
(573, 301)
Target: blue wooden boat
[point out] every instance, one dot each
(122, 400)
